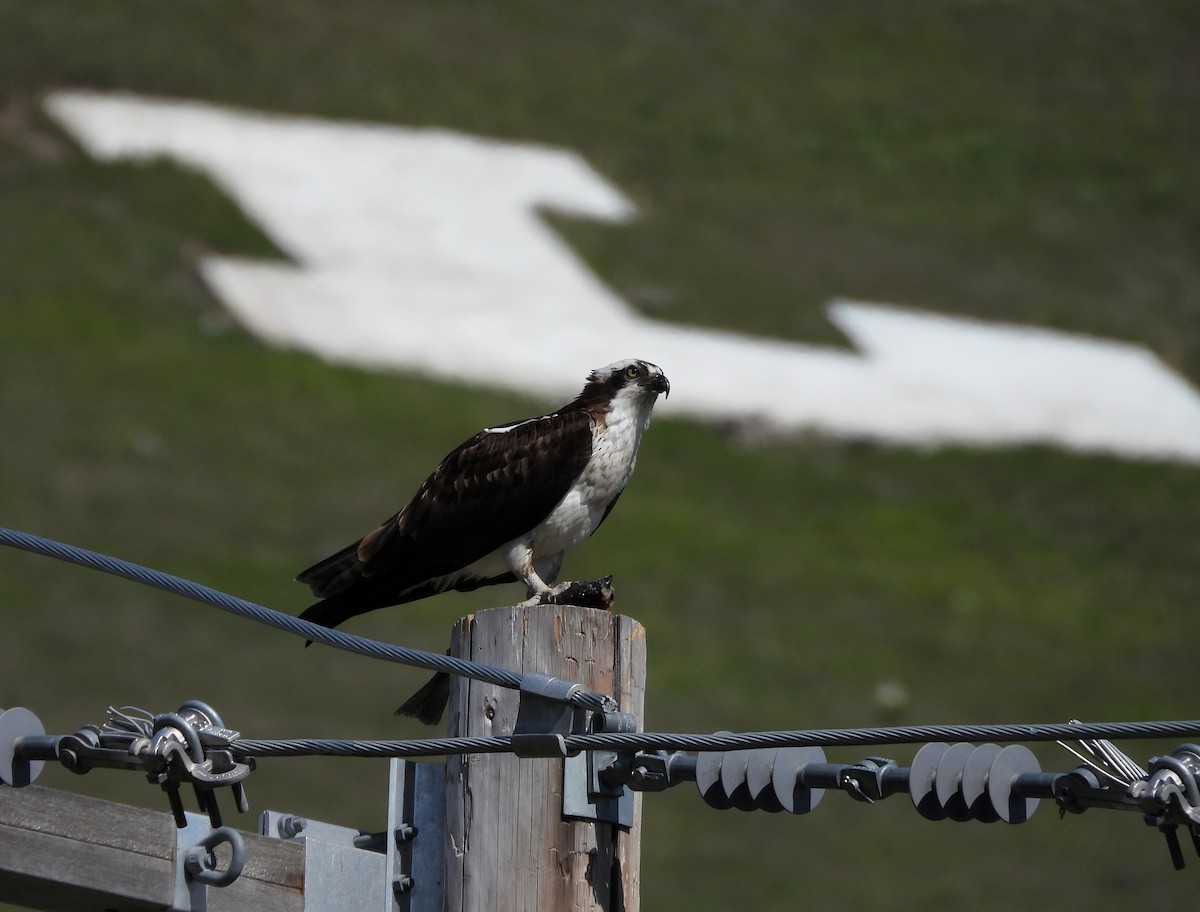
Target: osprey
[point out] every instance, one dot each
(506, 505)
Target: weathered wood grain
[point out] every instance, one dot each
(62, 851)
(509, 847)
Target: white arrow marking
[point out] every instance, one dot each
(423, 250)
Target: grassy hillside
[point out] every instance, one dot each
(1026, 162)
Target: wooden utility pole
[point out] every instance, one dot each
(509, 848)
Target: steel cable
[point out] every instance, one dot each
(648, 741)
(574, 743)
(280, 621)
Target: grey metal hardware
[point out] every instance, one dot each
(399, 870)
(590, 794)
(196, 864)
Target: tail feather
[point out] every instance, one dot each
(334, 573)
(429, 703)
(328, 612)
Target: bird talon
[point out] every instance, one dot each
(580, 593)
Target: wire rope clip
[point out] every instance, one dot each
(188, 745)
(191, 745)
(1170, 795)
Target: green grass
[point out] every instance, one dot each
(1030, 163)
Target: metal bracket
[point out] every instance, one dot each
(338, 872)
(415, 869)
(590, 794)
(399, 870)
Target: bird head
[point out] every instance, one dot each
(632, 376)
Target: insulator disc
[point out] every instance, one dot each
(1010, 763)
(16, 723)
(974, 786)
(793, 795)
(758, 780)
(948, 779)
(921, 776)
(733, 779)
(708, 778)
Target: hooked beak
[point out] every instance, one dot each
(659, 384)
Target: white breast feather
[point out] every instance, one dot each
(614, 454)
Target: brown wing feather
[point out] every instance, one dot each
(513, 476)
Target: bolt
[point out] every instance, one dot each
(239, 797)
(406, 832)
(290, 826)
(176, 802)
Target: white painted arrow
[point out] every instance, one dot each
(424, 250)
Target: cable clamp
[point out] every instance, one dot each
(545, 716)
(189, 745)
(1170, 795)
(540, 744)
(548, 687)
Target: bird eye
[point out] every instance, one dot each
(633, 372)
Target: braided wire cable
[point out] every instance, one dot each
(375, 649)
(909, 734)
(647, 741)
(350, 747)
(627, 741)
